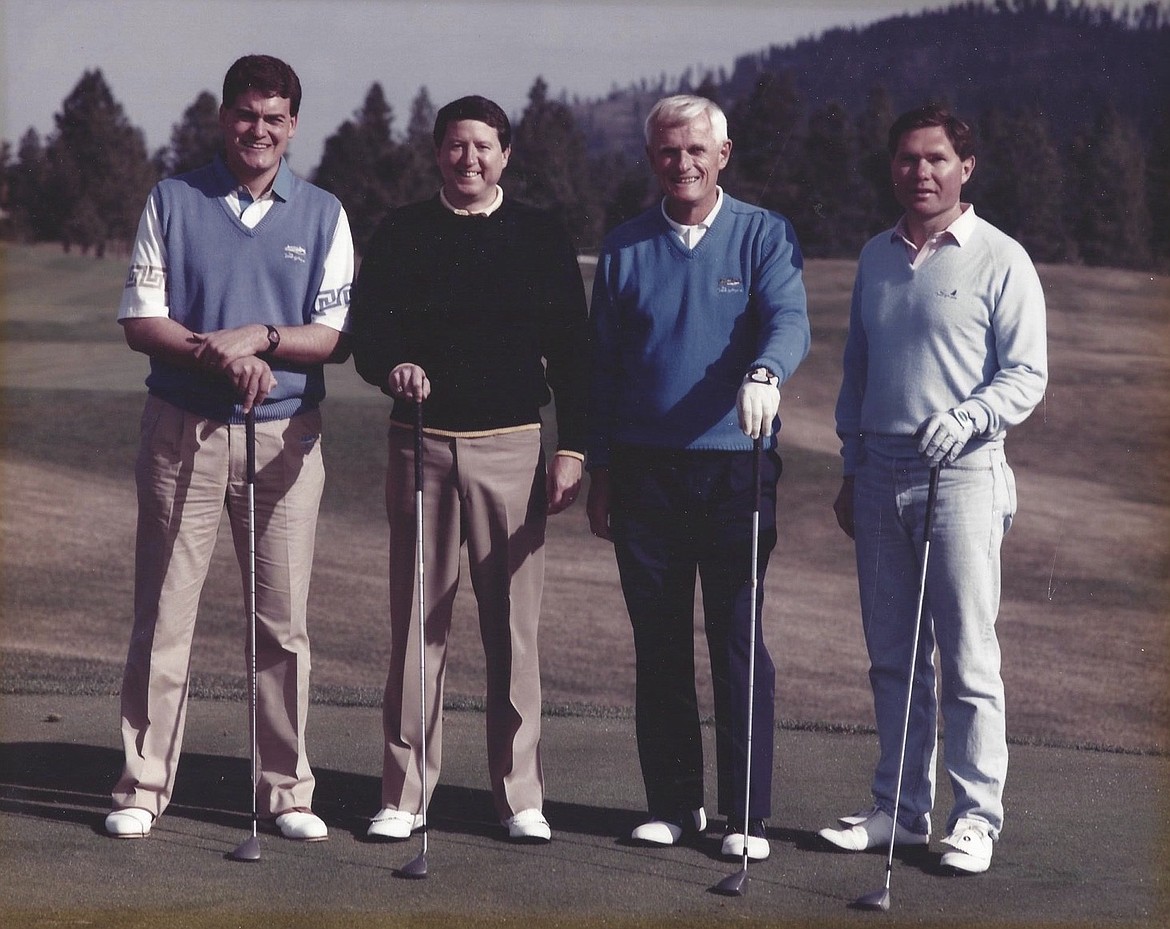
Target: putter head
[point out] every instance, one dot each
(734, 885)
(248, 850)
(414, 869)
(877, 900)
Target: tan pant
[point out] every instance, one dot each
(187, 468)
(488, 492)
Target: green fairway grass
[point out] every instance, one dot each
(1084, 618)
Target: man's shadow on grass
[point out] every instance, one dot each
(70, 783)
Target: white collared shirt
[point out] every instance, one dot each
(250, 209)
(959, 231)
(693, 234)
(496, 203)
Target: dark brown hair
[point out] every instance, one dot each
(271, 76)
(474, 107)
(932, 114)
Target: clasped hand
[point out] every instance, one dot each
(409, 382)
(757, 405)
(943, 436)
(232, 352)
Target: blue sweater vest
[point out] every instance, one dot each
(221, 274)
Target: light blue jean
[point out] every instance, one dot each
(974, 508)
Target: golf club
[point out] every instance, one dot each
(880, 899)
(735, 885)
(249, 849)
(417, 866)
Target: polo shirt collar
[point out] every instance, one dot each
(281, 187)
(282, 184)
(496, 203)
(961, 228)
(704, 223)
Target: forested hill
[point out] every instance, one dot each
(1068, 102)
(1058, 59)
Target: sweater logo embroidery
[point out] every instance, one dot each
(295, 253)
(730, 285)
(947, 294)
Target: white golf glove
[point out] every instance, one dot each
(942, 436)
(758, 403)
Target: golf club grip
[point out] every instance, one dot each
(250, 441)
(757, 468)
(931, 497)
(418, 445)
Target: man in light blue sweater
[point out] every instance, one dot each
(698, 315)
(238, 292)
(946, 351)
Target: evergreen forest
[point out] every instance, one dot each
(1069, 101)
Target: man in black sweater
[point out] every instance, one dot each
(475, 305)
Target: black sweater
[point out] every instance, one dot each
(492, 308)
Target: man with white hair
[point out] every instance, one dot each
(698, 316)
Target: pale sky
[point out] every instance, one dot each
(158, 55)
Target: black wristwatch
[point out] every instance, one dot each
(762, 375)
(273, 341)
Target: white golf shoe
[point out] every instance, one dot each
(969, 847)
(665, 832)
(528, 826)
(757, 840)
(302, 826)
(394, 825)
(129, 823)
(868, 829)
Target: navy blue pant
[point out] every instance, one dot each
(675, 514)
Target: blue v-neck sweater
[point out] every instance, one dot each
(676, 330)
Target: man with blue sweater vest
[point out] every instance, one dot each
(239, 292)
(698, 315)
(946, 351)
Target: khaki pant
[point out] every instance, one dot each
(187, 468)
(489, 493)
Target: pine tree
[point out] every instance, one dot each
(828, 214)
(195, 139)
(27, 182)
(549, 167)
(1018, 184)
(876, 201)
(418, 177)
(1158, 188)
(627, 187)
(98, 171)
(1111, 213)
(765, 130)
(708, 88)
(358, 165)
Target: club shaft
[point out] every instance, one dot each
(754, 580)
(250, 442)
(422, 613)
(928, 520)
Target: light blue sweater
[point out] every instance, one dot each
(674, 331)
(966, 329)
